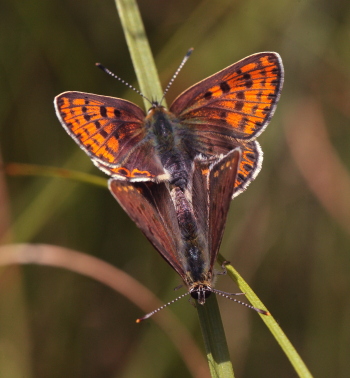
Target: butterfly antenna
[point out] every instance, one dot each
(228, 296)
(107, 71)
(184, 60)
(161, 308)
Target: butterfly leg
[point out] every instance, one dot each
(223, 267)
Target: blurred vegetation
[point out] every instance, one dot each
(288, 234)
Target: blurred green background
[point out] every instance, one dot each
(288, 234)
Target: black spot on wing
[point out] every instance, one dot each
(225, 87)
(243, 122)
(103, 133)
(248, 80)
(266, 110)
(240, 95)
(208, 95)
(239, 105)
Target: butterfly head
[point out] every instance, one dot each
(155, 105)
(200, 292)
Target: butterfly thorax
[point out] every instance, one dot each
(161, 124)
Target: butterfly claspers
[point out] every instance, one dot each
(224, 111)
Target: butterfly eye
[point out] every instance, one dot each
(207, 293)
(201, 294)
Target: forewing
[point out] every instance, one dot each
(235, 103)
(150, 206)
(212, 190)
(111, 131)
(200, 194)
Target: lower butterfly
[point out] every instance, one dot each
(186, 227)
(226, 110)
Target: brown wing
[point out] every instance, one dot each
(111, 131)
(150, 206)
(222, 176)
(216, 182)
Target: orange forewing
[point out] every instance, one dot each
(111, 131)
(236, 102)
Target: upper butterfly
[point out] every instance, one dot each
(226, 110)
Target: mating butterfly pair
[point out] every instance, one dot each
(174, 172)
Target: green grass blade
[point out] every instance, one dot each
(270, 322)
(214, 339)
(140, 51)
(20, 169)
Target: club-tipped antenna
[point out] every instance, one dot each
(184, 60)
(228, 296)
(161, 308)
(107, 71)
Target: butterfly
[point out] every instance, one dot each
(185, 227)
(226, 110)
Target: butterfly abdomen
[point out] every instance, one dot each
(194, 245)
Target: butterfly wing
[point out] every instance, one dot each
(216, 183)
(150, 206)
(221, 179)
(230, 109)
(112, 132)
(237, 102)
(249, 166)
